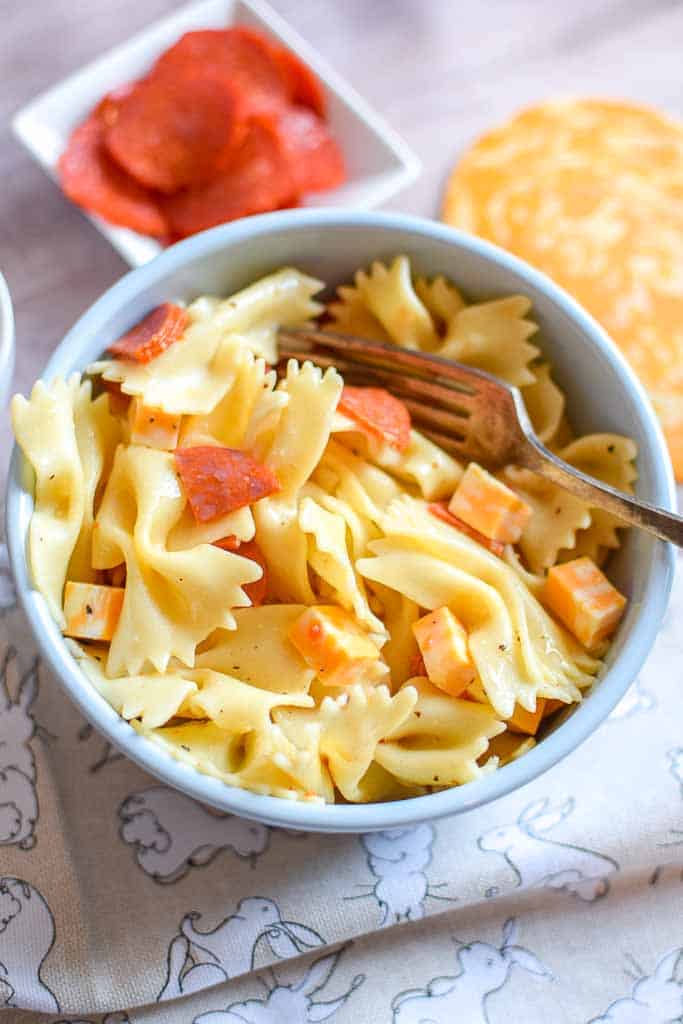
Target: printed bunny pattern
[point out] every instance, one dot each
(27, 934)
(255, 931)
(18, 798)
(655, 999)
(539, 862)
(302, 1001)
(109, 1018)
(398, 858)
(483, 970)
(172, 833)
(107, 754)
(636, 701)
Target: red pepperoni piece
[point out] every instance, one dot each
(220, 480)
(152, 335)
(303, 86)
(257, 181)
(230, 543)
(174, 129)
(378, 413)
(239, 56)
(256, 591)
(91, 179)
(440, 510)
(315, 160)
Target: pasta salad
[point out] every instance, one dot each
(283, 583)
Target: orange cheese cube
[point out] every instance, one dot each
(584, 600)
(442, 640)
(153, 427)
(551, 706)
(92, 611)
(118, 402)
(476, 692)
(525, 721)
(116, 576)
(488, 506)
(330, 640)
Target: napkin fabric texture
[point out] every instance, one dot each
(125, 902)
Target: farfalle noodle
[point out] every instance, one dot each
(439, 743)
(302, 434)
(173, 599)
(69, 440)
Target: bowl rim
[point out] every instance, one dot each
(316, 816)
(6, 340)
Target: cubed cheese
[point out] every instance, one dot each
(488, 506)
(153, 427)
(584, 600)
(330, 640)
(440, 510)
(442, 640)
(117, 576)
(119, 403)
(475, 691)
(525, 721)
(551, 706)
(91, 610)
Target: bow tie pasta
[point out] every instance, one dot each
(278, 580)
(68, 440)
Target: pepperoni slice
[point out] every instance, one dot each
(152, 336)
(229, 543)
(315, 160)
(257, 181)
(378, 413)
(256, 591)
(239, 56)
(220, 480)
(108, 107)
(440, 510)
(91, 179)
(303, 86)
(173, 130)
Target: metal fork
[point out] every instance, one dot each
(468, 413)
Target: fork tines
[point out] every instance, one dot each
(438, 395)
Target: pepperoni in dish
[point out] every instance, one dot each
(91, 179)
(225, 124)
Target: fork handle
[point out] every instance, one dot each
(665, 525)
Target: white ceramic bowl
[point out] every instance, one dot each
(602, 393)
(6, 342)
(379, 163)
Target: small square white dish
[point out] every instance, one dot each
(379, 163)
